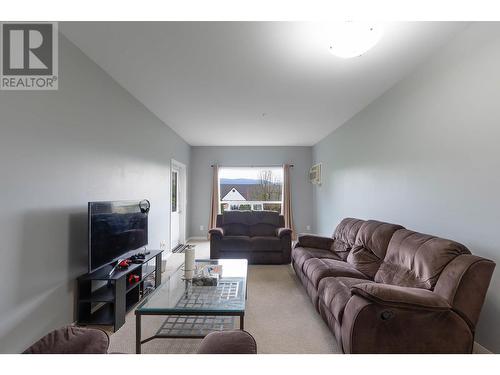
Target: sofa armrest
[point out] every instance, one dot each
(398, 296)
(381, 318)
(282, 232)
(216, 232)
(370, 327)
(464, 283)
(314, 241)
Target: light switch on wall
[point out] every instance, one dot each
(308, 227)
(202, 227)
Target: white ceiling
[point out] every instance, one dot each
(252, 83)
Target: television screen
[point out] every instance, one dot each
(116, 228)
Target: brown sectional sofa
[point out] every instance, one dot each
(258, 236)
(384, 289)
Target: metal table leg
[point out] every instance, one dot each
(137, 333)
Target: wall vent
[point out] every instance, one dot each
(315, 174)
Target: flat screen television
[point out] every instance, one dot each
(116, 228)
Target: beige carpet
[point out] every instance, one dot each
(279, 314)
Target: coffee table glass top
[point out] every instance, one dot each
(175, 296)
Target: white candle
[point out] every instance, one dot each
(189, 256)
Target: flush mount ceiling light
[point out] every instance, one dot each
(352, 39)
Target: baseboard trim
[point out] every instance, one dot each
(479, 349)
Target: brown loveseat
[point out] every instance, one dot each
(384, 289)
(259, 236)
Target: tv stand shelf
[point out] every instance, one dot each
(105, 299)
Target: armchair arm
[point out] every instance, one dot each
(71, 340)
(381, 318)
(282, 232)
(314, 241)
(216, 232)
(228, 342)
(398, 296)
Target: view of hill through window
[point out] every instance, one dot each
(251, 188)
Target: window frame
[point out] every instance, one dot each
(174, 194)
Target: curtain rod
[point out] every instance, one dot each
(251, 166)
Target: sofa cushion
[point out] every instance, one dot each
(251, 217)
(317, 269)
(265, 217)
(236, 217)
(371, 245)
(335, 292)
(262, 229)
(345, 236)
(265, 243)
(236, 229)
(234, 243)
(301, 254)
(250, 223)
(416, 259)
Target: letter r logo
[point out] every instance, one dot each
(27, 49)
(35, 41)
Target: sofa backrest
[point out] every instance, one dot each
(344, 236)
(250, 223)
(416, 259)
(370, 246)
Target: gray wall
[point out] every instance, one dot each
(426, 155)
(201, 179)
(88, 141)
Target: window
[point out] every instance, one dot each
(251, 188)
(174, 191)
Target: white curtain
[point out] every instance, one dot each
(286, 210)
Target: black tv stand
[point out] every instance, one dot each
(104, 299)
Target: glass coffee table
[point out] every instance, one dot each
(194, 311)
